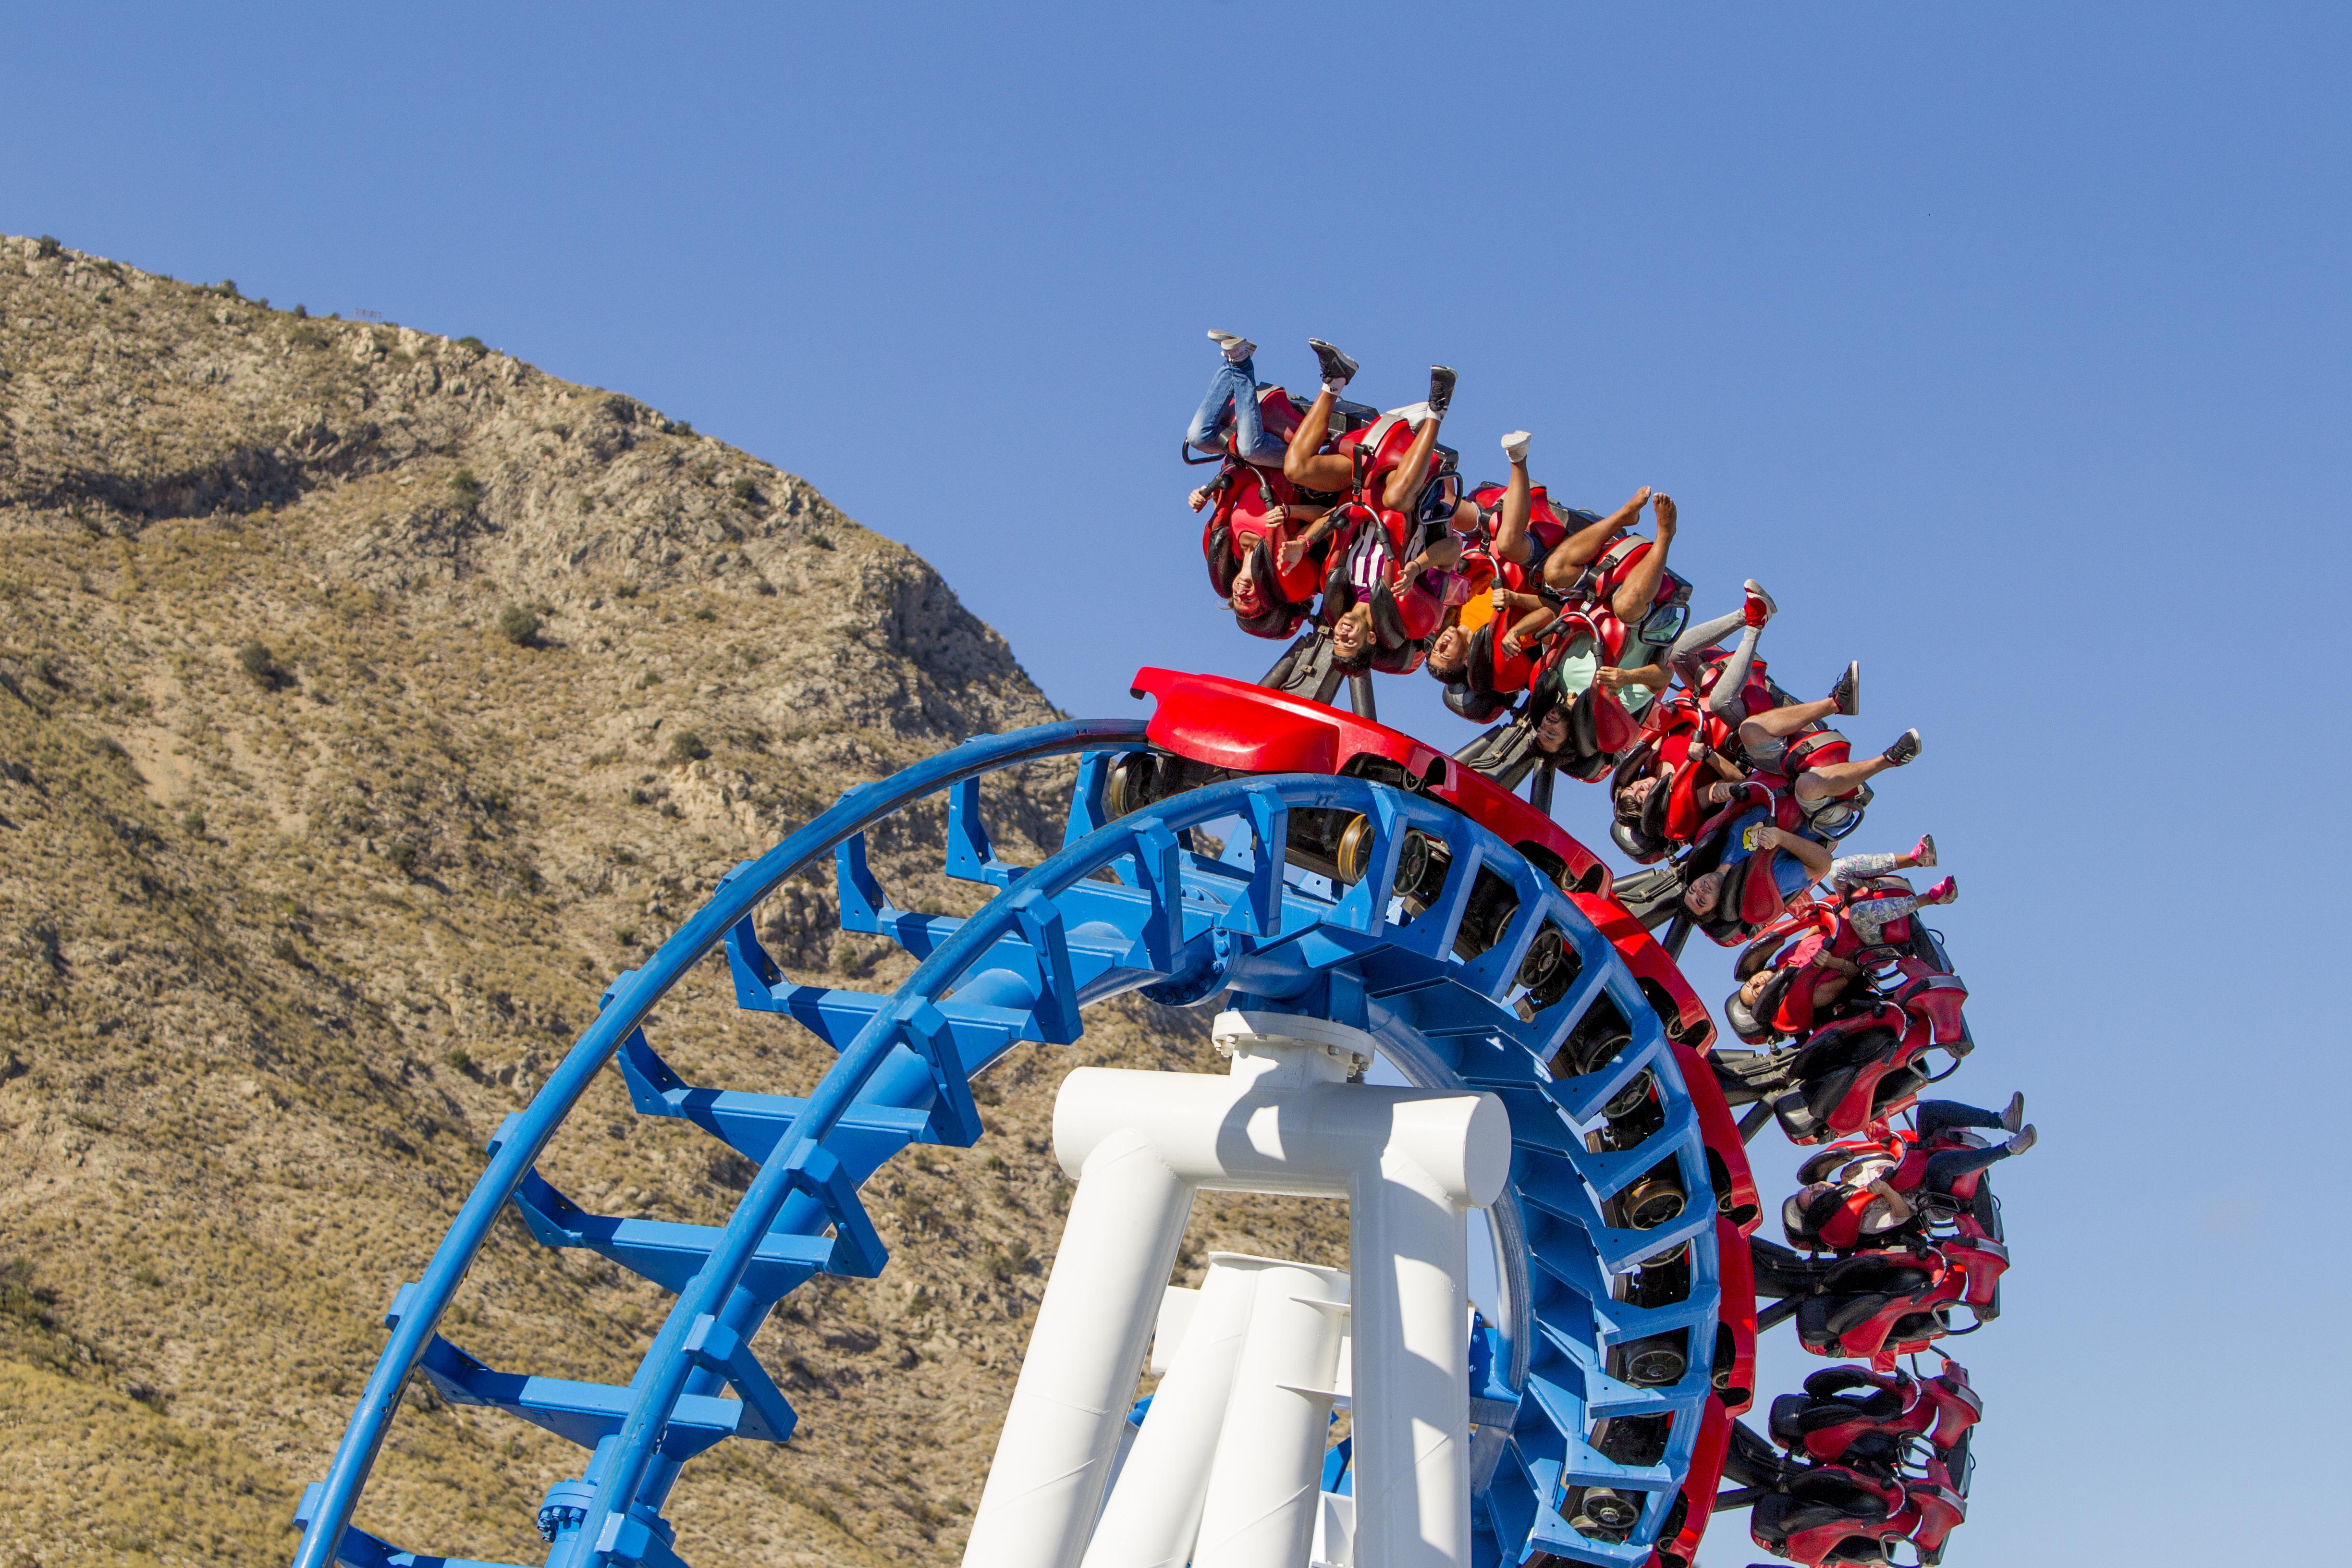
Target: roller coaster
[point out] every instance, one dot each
(1321, 877)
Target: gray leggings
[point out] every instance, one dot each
(1725, 698)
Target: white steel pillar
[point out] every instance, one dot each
(1154, 1511)
(1409, 1240)
(1267, 1479)
(1053, 1458)
(1410, 1162)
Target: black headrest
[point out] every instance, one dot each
(1630, 837)
(1743, 1022)
(1217, 549)
(1478, 707)
(1276, 620)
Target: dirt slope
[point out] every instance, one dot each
(368, 699)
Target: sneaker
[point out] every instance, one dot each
(1515, 445)
(2026, 1138)
(1440, 389)
(1905, 748)
(1847, 692)
(1236, 348)
(1944, 892)
(1338, 368)
(2014, 1116)
(1759, 606)
(1224, 340)
(1923, 854)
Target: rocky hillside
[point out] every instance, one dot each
(368, 699)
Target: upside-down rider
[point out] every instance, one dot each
(1255, 509)
(1392, 580)
(1382, 467)
(1841, 937)
(1601, 642)
(1715, 898)
(1867, 1192)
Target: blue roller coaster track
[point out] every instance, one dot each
(1185, 927)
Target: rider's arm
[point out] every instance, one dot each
(1538, 617)
(1293, 550)
(1653, 676)
(1815, 858)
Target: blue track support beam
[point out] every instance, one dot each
(1437, 989)
(355, 1453)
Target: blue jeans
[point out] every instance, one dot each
(1232, 402)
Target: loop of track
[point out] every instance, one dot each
(1052, 940)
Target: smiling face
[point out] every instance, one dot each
(1449, 656)
(1351, 635)
(1247, 598)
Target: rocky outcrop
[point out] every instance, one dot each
(368, 699)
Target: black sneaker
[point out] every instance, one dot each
(1847, 692)
(1337, 366)
(1905, 748)
(1441, 390)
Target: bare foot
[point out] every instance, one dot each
(1664, 506)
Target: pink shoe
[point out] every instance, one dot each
(1923, 853)
(1760, 604)
(1943, 892)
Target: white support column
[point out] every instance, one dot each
(1411, 1401)
(1411, 1162)
(1053, 1458)
(1154, 1511)
(1267, 1477)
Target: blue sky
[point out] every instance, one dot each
(2006, 344)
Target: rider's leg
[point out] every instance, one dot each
(1229, 393)
(1250, 437)
(1779, 722)
(1632, 601)
(1940, 1115)
(1578, 550)
(1308, 468)
(1402, 492)
(1511, 540)
(1837, 778)
(1948, 1165)
(1705, 634)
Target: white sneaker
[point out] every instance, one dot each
(1236, 348)
(2026, 1138)
(1515, 445)
(2013, 1119)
